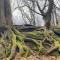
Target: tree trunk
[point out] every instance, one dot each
(5, 13)
(32, 14)
(2, 17)
(47, 16)
(47, 21)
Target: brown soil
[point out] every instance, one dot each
(37, 58)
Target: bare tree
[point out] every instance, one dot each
(31, 18)
(48, 11)
(46, 15)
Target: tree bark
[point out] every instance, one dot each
(48, 21)
(47, 16)
(5, 13)
(2, 17)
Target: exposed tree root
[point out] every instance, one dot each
(29, 43)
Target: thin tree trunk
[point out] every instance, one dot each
(32, 14)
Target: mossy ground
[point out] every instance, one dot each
(35, 43)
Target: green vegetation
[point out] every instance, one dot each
(36, 42)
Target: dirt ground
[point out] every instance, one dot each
(38, 58)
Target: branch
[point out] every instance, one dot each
(31, 8)
(19, 7)
(40, 9)
(44, 5)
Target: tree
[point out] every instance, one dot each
(46, 14)
(5, 13)
(47, 11)
(2, 17)
(31, 18)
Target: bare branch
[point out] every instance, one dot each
(42, 13)
(44, 5)
(31, 8)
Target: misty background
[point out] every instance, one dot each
(17, 16)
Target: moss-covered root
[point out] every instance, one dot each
(38, 45)
(22, 36)
(13, 49)
(23, 49)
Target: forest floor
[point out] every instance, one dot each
(36, 45)
(37, 58)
